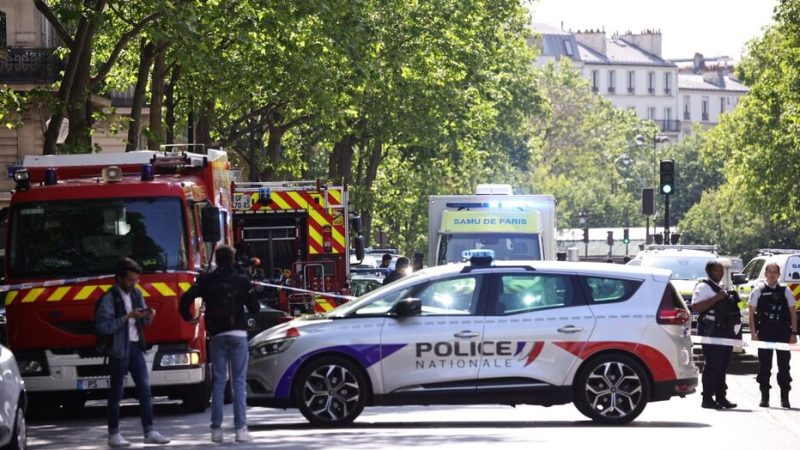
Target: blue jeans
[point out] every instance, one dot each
(137, 366)
(229, 350)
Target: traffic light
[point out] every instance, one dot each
(626, 238)
(586, 234)
(610, 238)
(667, 171)
(648, 207)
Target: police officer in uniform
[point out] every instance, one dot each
(772, 319)
(719, 318)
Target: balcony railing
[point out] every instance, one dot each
(669, 125)
(595, 89)
(687, 115)
(30, 65)
(705, 117)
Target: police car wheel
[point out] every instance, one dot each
(19, 440)
(331, 391)
(611, 389)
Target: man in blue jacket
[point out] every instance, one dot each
(123, 314)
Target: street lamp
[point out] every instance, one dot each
(658, 138)
(584, 223)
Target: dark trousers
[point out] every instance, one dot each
(717, 359)
(136, 365)
(774, 333)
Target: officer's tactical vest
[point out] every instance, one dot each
(772, 307)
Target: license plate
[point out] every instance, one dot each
(241, 201)
(93, 383)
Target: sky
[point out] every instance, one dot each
(711, 27)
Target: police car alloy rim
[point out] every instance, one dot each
(614, 390)
(331, 393)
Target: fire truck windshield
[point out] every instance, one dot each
(87, 237)
(509, 247)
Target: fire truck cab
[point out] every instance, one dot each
(300, 232)
(71, 218)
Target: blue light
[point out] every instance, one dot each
(466, 205)
(263, 194)
(147, 172)
(50, 176)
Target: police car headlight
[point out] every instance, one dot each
(269, 348)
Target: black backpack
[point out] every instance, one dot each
(105, 342)
(222, 306)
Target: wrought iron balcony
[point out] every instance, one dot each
(669, 126)
(30, 65)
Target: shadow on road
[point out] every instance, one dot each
(480, 424)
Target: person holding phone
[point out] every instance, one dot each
(126, 354)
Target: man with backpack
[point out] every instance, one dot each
(120, 317)
(225, 293)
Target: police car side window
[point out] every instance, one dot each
(384, 304)
(453, 296)
(607, 290)
(525, 293)
(755, 269)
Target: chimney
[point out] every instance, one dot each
(594, 39)
(647, 40)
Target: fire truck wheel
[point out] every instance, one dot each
(331, 391)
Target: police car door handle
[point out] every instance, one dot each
(570, 329)
(466, 334)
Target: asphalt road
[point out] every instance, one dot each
(678, 422)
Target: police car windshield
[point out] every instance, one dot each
(87, 237)
(682, 268)
(506, 247)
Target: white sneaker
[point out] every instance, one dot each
(116, 440)
(154, 437)
(242, 435)
(216, 435)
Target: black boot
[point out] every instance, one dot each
(785, 399)
(764, 398)
(709, 403)
(723, 402)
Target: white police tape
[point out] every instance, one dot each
(745, 343)
(306, 291)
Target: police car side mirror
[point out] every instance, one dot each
(738, 278)
(408, 307)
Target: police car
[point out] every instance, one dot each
(607, 338)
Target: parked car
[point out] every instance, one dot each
(13, 429)
(688, 266)
(608, 338)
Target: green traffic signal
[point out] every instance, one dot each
(667, 185)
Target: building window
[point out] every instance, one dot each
(568, 48)
(612, 81)
(595, 81)
(668, 120)
(704, 109)
(667, 83)
(651, 113)
(631, 82)
(721, 105)
(651, 83)
(3, 41)
(687, 114)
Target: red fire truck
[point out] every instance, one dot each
(71, 218)
(301, 232)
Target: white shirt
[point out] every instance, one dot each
(133, 333)
(703, 291)
(756, 294)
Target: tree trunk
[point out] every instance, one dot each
(79, 108)
(255, 142)
(169, 103)
(203, 130)
(147, 50)
(341, 160)
(83, 37)
(155, 136)
(274, 151)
